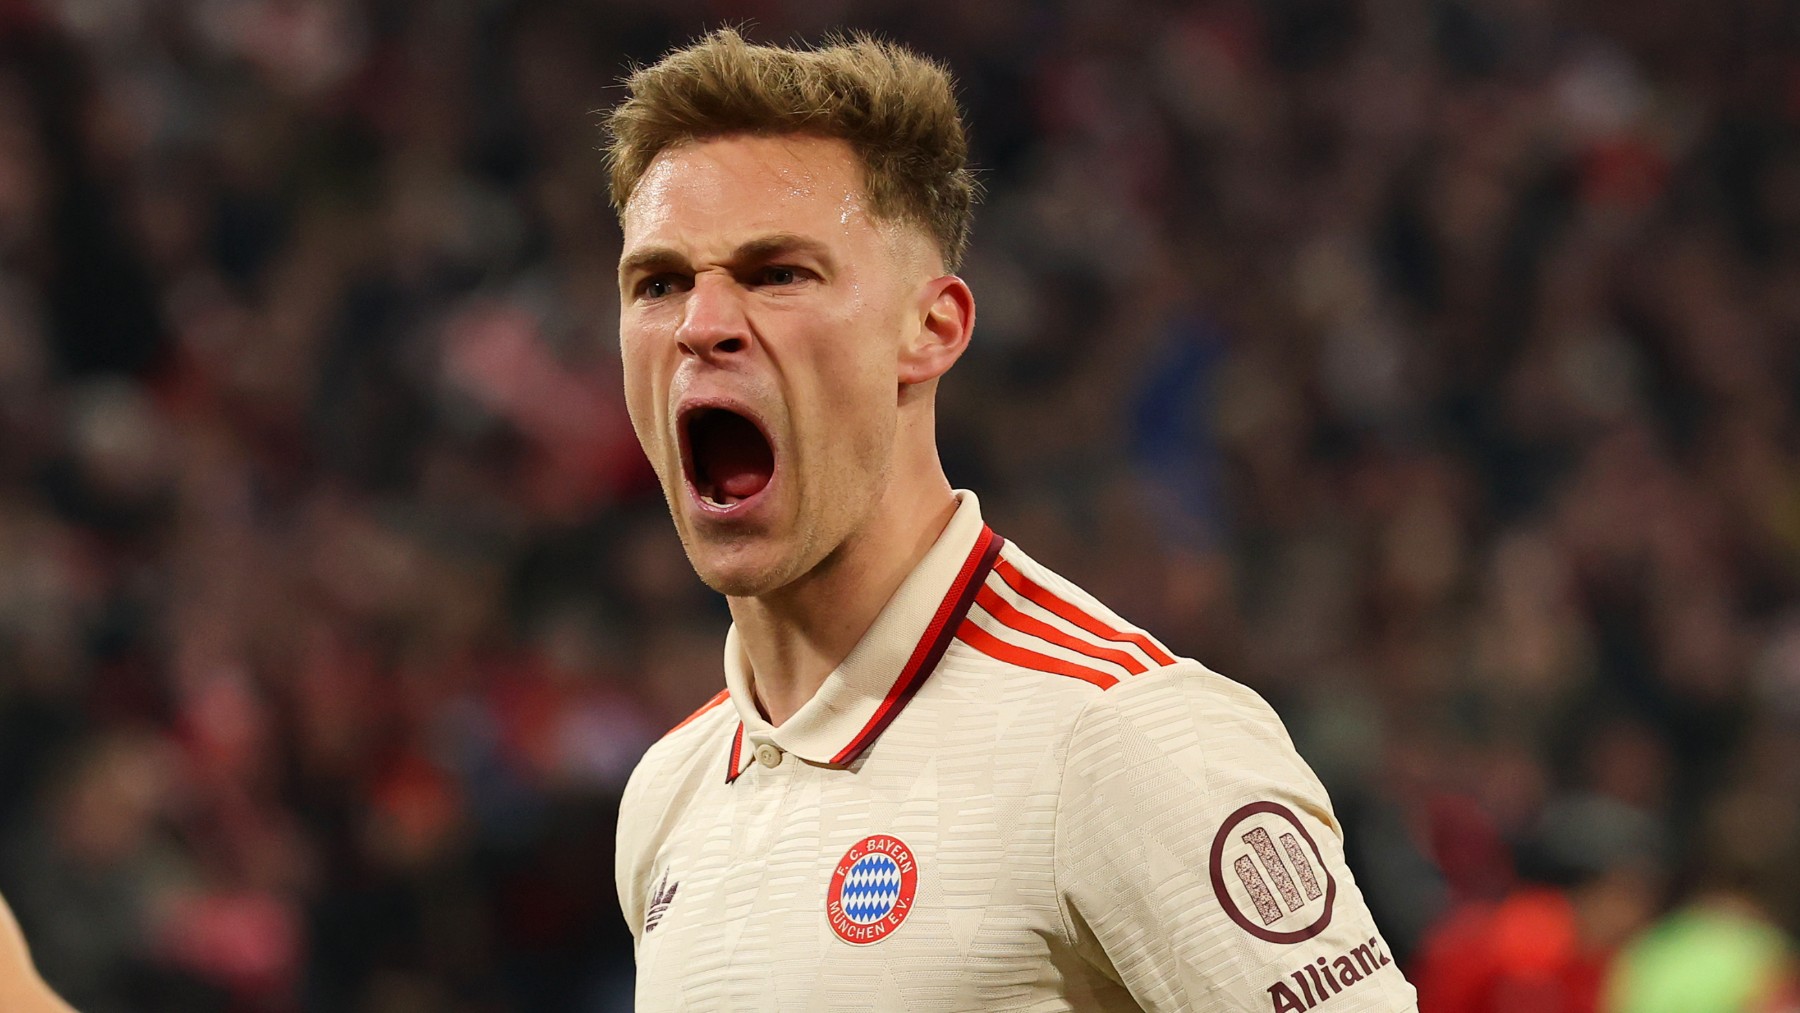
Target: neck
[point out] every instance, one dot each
(797, 635)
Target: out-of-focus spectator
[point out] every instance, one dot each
(1594, 875)
(1716, 955)
(1722, 951)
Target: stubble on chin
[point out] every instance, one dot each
(740, 567)
(732, 581)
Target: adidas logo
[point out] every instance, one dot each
(659, 901)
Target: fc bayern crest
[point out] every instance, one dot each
(872, 889)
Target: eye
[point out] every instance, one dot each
(778, 274)
(658, 286)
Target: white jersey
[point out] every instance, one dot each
(1005, 798)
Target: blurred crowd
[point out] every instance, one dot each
(1431, 366)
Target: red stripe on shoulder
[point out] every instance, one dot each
(1000, 650)
(1009, 615)
(721, 697)
(1042, 596)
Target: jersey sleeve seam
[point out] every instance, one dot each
(1056, 827)
(1179, 987)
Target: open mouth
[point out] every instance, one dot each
(728, 458)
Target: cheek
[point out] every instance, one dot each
(858, 403)
(863, 360)
(850, 383)
(640, 392)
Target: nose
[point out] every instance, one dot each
(714, 323)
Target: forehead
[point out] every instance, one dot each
(732, 188)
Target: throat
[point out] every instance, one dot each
(796, 636)
(793, 640)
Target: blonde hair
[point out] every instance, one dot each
(895, 109)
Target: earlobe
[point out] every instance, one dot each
(946, 319)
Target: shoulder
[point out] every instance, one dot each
(1030, 622)
(1111, 678)
(1187, 753)
(697, 727)
(1035, 619)
(1025, 581)
(668, 777)
(684, 752)
(1034, 624)
(1187, 699)
(693, 736)
(1222, 733)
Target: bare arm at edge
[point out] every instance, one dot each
(21, 989)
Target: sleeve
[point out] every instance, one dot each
(630, 868)
(1199, 864)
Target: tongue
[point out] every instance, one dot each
(737, 458)
(743, 483)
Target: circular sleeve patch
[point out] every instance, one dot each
(872, 889)
(1269, 875)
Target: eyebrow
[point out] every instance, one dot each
(655, 259)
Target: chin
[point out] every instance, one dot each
(735, 585)
(728, 573)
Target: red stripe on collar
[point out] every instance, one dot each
(734, 763)
(932, 645)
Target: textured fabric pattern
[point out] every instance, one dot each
(1062, 782)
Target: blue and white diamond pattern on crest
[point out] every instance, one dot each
(870, 889)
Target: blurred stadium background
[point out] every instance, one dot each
(1429, 365)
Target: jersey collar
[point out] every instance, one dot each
(891, 661)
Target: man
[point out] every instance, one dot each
(21, 990)
(940, 777)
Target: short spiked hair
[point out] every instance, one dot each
(895, 109)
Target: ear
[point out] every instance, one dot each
(946, 319)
